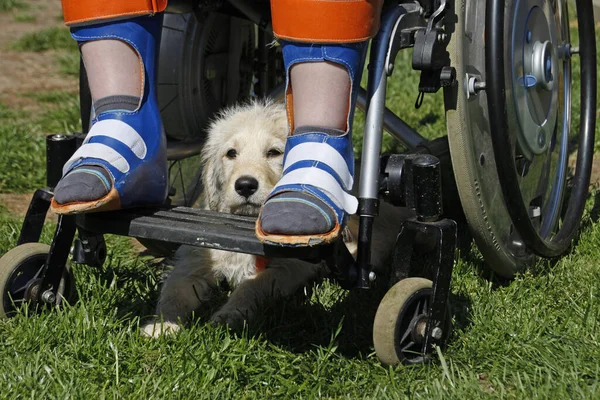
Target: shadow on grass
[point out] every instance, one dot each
(297, 325)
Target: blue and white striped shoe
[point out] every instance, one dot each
(318, 169)
(129, 145)
(322, 166)
(132, 148)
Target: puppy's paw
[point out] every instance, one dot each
(157, 329)
(234, 320)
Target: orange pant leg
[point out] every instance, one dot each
(82, 11)
(326, 21)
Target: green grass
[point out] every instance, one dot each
(22, 140)
(402, 89)
(68, 63)
(9, 5)
(24, 17)
(57, 38)
(60, 112)
(22, 164)
(537, 336)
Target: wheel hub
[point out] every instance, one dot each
(542, 63)
(32, 291)
(417, 328)
(535, 72)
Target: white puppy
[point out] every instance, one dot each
(243, 159)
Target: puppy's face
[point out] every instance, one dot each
(243, 158)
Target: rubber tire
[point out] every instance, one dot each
(24, 253)
(386, 319)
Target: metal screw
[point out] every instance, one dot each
(390, 68)
(529, 35)
(479, 85)
(474, 85)
(49, 297)
(436, 333)
(542, 139)
(372, 276)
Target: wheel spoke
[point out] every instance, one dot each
(405, 336)
(37, 274)
(409, 345)
(416, 312)
(22, 288)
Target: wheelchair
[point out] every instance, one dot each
(505, 68)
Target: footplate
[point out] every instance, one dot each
(195, 227)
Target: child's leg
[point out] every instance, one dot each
(323, 53)
(321, 92)
(122, 162)
(113, 69)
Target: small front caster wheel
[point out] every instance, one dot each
(400, 322)
(20, 278)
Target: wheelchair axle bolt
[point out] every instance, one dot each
(372, 276)
(474, 86)
(436, 333)
(49, 297)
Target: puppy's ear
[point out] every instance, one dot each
(211, 176)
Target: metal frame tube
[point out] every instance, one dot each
(368, 191)
(376, 89)
(393, 124)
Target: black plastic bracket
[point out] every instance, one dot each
(430, 55)
(89, 248)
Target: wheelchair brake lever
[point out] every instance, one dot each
(436, 17)
(431, 57)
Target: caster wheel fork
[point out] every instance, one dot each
(414, 316)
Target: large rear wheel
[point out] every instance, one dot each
(509, 125)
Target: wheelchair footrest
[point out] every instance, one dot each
(195, 227)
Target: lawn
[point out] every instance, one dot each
(536, 336)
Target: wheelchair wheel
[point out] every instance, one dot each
(400, 322)
(20, 269)
(509, 125)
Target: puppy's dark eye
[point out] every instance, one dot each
(274, 153)
(231, 154)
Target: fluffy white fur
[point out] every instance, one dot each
(256, 133)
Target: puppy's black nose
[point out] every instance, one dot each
(246, 186)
